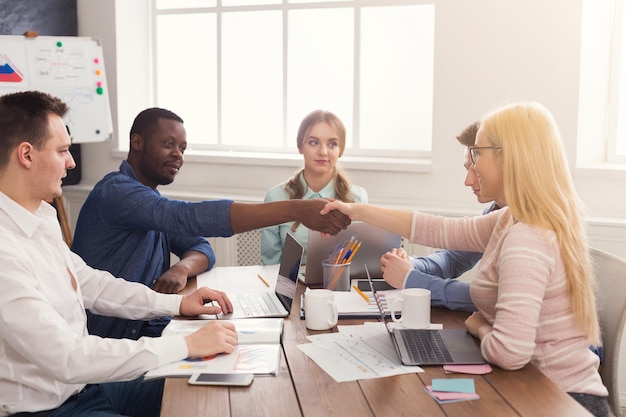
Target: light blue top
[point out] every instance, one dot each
(273, 237)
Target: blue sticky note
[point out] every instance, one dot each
(465, 385)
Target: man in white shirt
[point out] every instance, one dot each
(49, 364)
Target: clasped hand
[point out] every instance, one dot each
(327, 221)
(395, 265)
(477, 325)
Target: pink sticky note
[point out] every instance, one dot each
(468, 369)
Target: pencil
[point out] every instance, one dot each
(361, 293)
(339, 256)
(263, 279)
(346, 260)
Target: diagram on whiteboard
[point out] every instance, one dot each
(8, 72)
(71, 68)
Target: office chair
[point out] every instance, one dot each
(59, 204)
(610, 273)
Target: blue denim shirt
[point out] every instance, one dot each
(129, 229)
(438, 273)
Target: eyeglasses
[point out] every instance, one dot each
(474, 154)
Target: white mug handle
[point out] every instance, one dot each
(394, 310)
(334, 314)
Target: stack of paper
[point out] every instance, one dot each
(452, 390)
(356, 352)
(258, 351)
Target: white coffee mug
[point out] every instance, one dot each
(320, 311)
(414, 307)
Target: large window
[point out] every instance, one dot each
(617, 142)
(243, 73)
(602, 108)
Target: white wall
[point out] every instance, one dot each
(487, 53)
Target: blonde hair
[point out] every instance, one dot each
(539, 191)
(294, 186)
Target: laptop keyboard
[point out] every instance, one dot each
(258, 304)
(425, 346)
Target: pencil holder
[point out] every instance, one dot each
(336, 276)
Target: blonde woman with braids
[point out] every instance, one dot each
(534, 288)
(321, 141)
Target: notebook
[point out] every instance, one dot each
(430, 346)
(352, 304)
(277, 303)
(375, 242)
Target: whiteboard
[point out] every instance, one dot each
(69, 67)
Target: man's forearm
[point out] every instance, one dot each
(250, 216)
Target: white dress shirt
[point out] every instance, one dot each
(46, 354)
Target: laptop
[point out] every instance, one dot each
(375, 242)
(430, 346)
(279, 302)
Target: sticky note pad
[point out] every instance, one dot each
(465, 385)
(450, 397)
(468, 369)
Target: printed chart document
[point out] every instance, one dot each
(351, 304)
(356, 352)
(258, 351)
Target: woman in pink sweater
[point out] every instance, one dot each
(534, 288)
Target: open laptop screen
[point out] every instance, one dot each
(375, 242)
(288, 272)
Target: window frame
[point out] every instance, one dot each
(407, 160)
(617, 78)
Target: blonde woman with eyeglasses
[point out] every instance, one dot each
(535, 287)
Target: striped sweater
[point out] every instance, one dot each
(521, 290)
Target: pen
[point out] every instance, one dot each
(263, 279)
(361, 293)
(354, 251)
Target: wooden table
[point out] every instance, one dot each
(303, 389)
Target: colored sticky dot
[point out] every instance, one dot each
(100, 90)
(96, 61)
(99, 83)
(97, 72)
(59, 44)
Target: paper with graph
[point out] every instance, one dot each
(356, 352)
